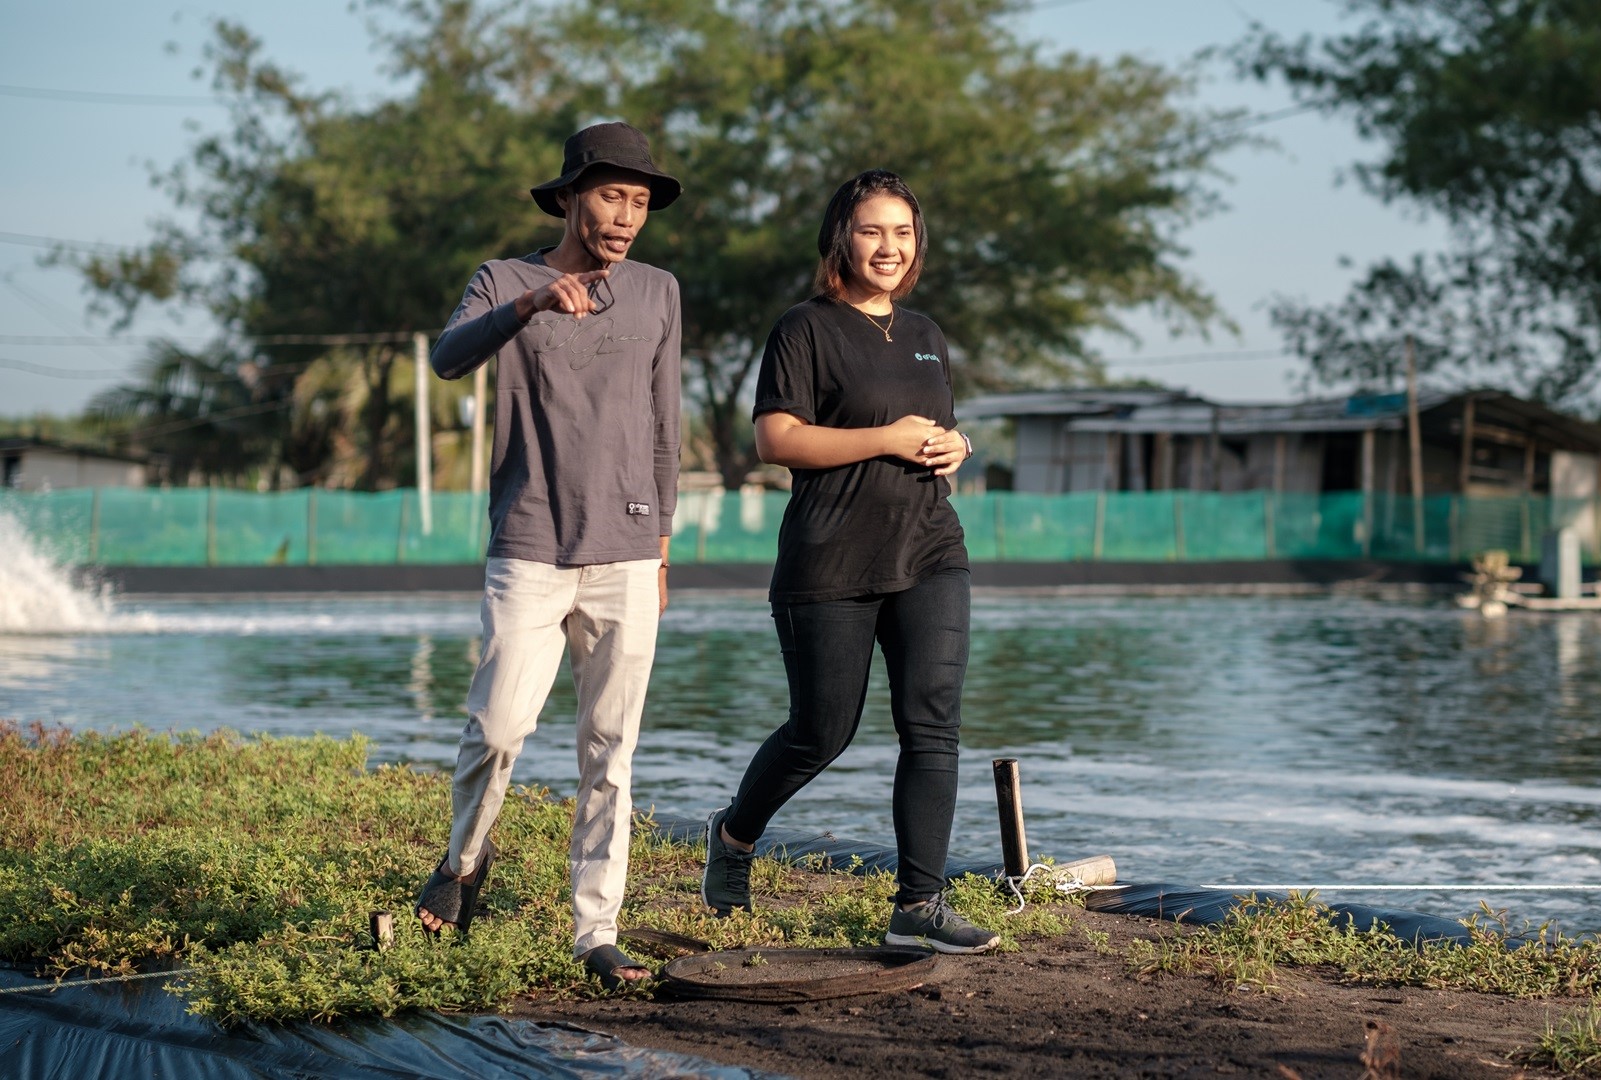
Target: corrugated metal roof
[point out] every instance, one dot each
(1154, 411)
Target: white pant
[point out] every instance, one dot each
(606, 616)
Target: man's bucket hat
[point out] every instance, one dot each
(619, 145)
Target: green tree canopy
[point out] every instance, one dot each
(1055, 186)
(1488, 113)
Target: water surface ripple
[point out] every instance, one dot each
(1239, 740)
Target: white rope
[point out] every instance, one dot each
(1063, 880)
(1070, 884)
(51, 988)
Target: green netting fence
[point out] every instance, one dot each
(215, 527)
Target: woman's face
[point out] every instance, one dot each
(883, 245)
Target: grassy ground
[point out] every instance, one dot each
(255, 863)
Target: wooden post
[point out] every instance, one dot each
(1280, 448)
(425, 442)
(1178, 527)
(1214, 454)
(1162, 451)
(1465, 466)
(311, 527)
(1269, 534)
(1368, 455)
(1000, 524)
(1414, 433)
(1009, 801)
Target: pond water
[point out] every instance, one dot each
(1334, 740)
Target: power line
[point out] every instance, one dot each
(62, 373)
(209, 418)
(89, 342)
(94, 97)
(34, 240)
(1198, 358)
(376, 337)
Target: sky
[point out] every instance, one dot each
(77, 157)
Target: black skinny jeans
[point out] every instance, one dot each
(828, 649)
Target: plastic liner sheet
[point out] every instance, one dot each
(139, 1031)
(1182, 903)
(1186, 903)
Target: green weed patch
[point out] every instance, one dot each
(1260, 936)
(255, 863)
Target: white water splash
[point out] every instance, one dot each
(37, 595)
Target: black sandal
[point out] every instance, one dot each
(452, 900)
(605, 961)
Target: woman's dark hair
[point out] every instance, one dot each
(834, 238)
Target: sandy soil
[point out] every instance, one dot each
(1064, 1008)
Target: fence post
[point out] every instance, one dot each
(211, 526)
(425, 462)
(1454, 535)
(1100, 525)
(700, 527)
(311, 527)
(400, 540)
(1000, 526)
(94, 526)
(1178, 527)
(1270, 541)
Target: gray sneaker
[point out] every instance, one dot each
(726, 883)
(936, 926)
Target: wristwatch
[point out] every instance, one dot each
(968, 443)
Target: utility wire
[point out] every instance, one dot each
(34, 240)
(377, 337)
(209, 418)
(1197, 358)
(94, 97)
(62, 373)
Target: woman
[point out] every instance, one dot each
(854, 396)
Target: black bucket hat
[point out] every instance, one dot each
(619, 145)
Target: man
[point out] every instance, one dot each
(582, 492)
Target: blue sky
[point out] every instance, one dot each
(78, 170)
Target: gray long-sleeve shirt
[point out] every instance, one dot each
(585, 464)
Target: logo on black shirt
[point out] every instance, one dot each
(926, 356)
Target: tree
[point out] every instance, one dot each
(209, 416)
(1055, 185)
(1489, 113)
(352, 228)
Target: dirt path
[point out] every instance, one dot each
(1065, 1008)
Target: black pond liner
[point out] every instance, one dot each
(138, 1030)
(1173, 903)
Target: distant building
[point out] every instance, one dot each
(1484, 444)
(44, 465)
(1477, 443)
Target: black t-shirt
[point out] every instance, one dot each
(876, 526)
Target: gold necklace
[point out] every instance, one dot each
(885, 328)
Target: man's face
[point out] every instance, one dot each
(606, 209)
